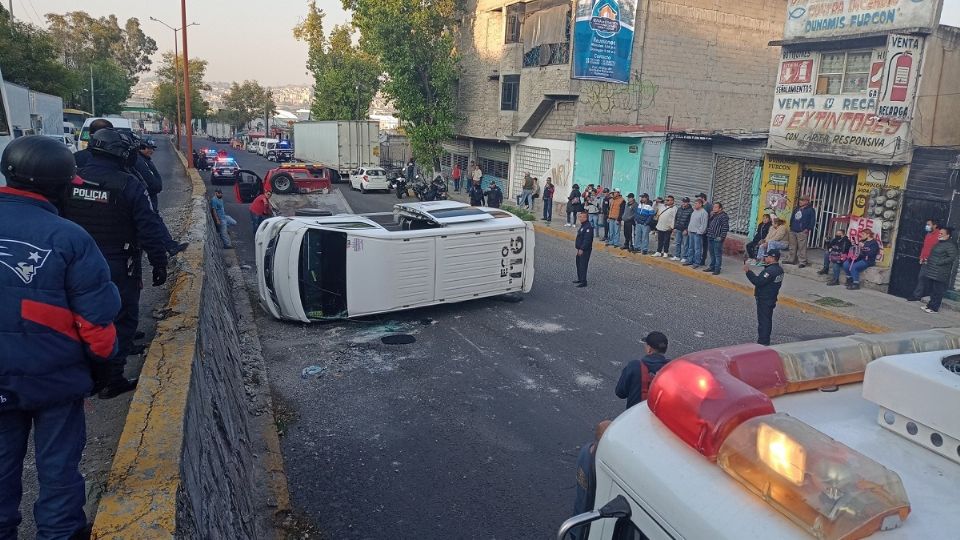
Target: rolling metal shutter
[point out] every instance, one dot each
(690, 168)
(494, 161)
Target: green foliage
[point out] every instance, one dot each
(346, 77)
(29, 57)
(521, 213)
(111, 86)
(165, 95)
(81, 40)
(245, 102)
(414, 43)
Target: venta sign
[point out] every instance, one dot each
(838, 18)
(901, 67)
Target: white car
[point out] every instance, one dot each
(67, 140)
(421, 254)
(367, 179)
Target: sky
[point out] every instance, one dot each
(241, 39)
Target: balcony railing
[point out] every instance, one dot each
(547, 55)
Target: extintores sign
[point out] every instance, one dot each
(840, 18)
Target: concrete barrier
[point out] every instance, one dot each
(193, 462)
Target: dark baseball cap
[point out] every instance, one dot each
(702, 196)
(656, 340)
(218, 191)
(685, 199)
(775, 253)
(630, 196)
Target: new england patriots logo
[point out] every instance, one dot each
(22, 258)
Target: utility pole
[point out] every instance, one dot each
(176, 74)
(93, 99)
(186, 81)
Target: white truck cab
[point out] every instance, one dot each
(312, 268)
(838, 438)
(6, 134)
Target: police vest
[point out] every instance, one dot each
(98, 207)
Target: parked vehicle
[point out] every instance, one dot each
(67, 141)
(368, 179)
(398, 184)
(320, 268)
(224, 171)
(151, 126)
(263, 144)
(6, 133)
(344, 146)
(119, 123)
(252, 146)
(841, 437)
(279, 151)
(287, 178)
(219, 132)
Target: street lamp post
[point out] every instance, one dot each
(186, 81)
(93, 100)
(176, 82)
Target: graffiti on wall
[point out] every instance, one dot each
(560, 174)
(639, 94)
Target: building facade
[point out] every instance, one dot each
(856, 100)
(533, 96)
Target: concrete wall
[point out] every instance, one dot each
(194, 459)
(938, 102)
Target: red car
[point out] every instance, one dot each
(287, 178)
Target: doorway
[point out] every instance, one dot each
(606, 168)
(832, 195)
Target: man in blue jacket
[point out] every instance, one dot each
(802, 222)
(584, 246)
(113, 206)
(635, 379)
(56, 330)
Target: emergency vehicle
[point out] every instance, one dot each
(837, 438)
(421, 254)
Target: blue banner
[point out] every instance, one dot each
(603, 40)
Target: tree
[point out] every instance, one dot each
(247, 101)
(30, 59)
(414, 43)
(346, 77)
(165, 95)
(111, 87)
(81, 40)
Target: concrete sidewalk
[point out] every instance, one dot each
(868, 310)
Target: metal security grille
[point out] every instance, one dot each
(732, 183)
(533, 160)
(606, 168)
(831, 195)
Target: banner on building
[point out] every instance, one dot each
(902, 65)
(603, 40)
(838, 18)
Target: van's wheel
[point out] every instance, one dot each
(282, 183)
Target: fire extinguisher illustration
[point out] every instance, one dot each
(901, 77)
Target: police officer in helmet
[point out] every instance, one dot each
(766, 289)
(114, 207)
(56, 330)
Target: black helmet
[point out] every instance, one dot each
(38, 163)
(114, 143)
(149, 143)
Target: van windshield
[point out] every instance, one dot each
(323, 274)
(85, 132)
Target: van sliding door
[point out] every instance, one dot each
(323, 274)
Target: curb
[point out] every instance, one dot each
(796, 303)
(145, 474)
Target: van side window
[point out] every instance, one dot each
(626, 530)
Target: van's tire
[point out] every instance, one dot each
(282, 183)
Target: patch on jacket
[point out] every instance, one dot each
(21, 258)
(89, 194)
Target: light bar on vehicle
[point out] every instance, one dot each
(825, 487)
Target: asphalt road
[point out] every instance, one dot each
(473, 430)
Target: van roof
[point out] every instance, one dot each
(691, 497)
(117, 121)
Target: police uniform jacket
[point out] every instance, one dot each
(113, 206)
(148, 172)
(58, 305)
(585, 237)
(767, 284)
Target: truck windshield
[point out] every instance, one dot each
(323, 274)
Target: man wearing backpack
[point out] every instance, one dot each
(634, 383)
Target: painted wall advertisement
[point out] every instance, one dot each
(835, 18)
(815, 111)
(603, 40)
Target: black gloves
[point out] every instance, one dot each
(159, 275)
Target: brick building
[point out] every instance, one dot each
(699, 82)
(861, 123)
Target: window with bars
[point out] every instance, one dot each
(510, 93)
(514, 23)
(844, 72)
(492, 167)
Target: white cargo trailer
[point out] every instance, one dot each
(341, 145)
(421, 254)
(219, 132)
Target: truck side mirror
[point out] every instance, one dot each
(617, 508)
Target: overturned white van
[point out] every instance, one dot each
(312, 268)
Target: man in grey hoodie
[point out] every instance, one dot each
(695, 231)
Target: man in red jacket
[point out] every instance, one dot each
(929, 241)
(260, 209)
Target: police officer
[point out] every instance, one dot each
(56, 327)
(766, 288)
(148, 171)
(113, 206)
(82, 157)
(584, 245)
